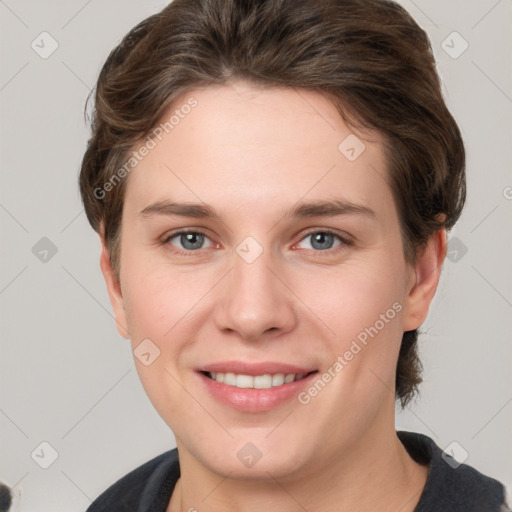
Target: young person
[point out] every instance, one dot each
(272, 182)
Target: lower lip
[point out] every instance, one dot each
(254, 400)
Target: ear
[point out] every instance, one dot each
(114, 290)
(424, 280)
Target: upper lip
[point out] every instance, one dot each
(244, 368)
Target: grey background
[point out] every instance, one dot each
(67, 378)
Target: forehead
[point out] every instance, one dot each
(258, 149)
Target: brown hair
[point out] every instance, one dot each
(368, 56)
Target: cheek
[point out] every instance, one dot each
(353, 297)
(157, 304)
(147, 309)
(156, 295)
(158, 309)
(362, 305)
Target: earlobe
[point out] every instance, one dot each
(427, 271)
(114, 291)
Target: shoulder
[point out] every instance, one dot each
(452, 486)
(148, 487)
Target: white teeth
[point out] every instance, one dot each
(278, 379)
(262, 382)
(229, 379)
(258, 382)
(244, 381)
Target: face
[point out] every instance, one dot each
(263, 282)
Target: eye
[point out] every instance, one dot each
(323, 240)
(190, 241)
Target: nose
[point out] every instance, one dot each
(255, 301)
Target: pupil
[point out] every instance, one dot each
(322, 238)
(192, 240)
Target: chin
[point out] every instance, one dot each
(258, 460)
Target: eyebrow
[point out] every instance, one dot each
(329, 208)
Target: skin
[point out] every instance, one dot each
(251, 154)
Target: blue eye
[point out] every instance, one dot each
(189, 240)
(323, 240)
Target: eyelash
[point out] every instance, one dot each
(343, 241)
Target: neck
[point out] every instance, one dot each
(376, 474)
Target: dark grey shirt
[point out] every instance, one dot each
(148, 488)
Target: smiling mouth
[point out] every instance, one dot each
(265, 381)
